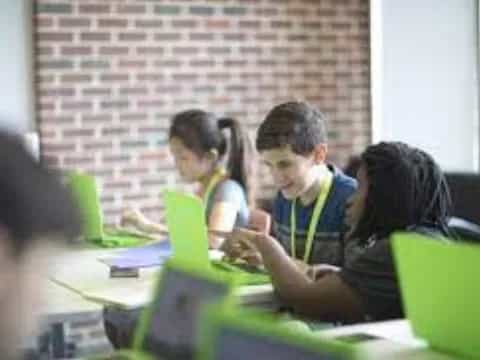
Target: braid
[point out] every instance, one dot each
(405, 188)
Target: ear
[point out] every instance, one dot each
(320, 154)
(213, 155)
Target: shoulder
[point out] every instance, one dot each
(228, 189)
(341, 182)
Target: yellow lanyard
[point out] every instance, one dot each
(319, 205)
(216, 178)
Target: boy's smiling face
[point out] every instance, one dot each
(292, 173)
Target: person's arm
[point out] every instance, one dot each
(135, 218)
(222, 218)
(328, 298)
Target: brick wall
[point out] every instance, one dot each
(110, 73)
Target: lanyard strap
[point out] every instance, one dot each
(216, 178)
(319, 205)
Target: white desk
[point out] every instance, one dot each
(395, 340)
(81, 271)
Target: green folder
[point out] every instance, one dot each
(439, 283)
(84, 190)
(185, 216)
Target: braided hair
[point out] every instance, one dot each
(406, 188)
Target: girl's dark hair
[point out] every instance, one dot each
(405, 188)
(202, 132)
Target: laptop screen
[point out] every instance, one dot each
(186, 223)
(172, 331)
(235, 344)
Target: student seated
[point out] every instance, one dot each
(400, 189)
(308, 211)
(199, 145)
(35, 211)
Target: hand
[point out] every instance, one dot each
(260, 221)
(304, 267)
(315, 272)
(242, 241)
(131, 216)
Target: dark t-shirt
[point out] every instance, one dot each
(372, 274)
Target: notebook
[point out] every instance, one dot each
(229, 333)
(84, 190)
(168, 327)
(185, 217)
(440, 291)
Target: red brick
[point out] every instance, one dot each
(94, 8)
(218, 24)
(157, 155)
(97, 118)
(137, 36)
(114, 77)
(107, 23)
(150, 50)
(136, 197)
(76, 22)
(184, 24)
(54, 36)
(134, 170)
(150, 76)
(78, 160)
(133, 117)
(150, 103)
(97, 91)
(44, 50)
(114, 50)
(123, 185)
(73, 133)
(139, 90)
(119, 158)
(76, 78)
(76, 50)
(95, 36)
(97, 145)
(168, 36)
(170, 89)
(148, 23)
(43, 22)
(132, 64)
(130, 9)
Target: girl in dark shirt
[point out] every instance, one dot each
(400, 188)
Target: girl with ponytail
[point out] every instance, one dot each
(215, 154)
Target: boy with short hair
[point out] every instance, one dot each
(308, 211)
(34, 208)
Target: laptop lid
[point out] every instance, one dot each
(168, 326)
(230, 333)
(440, 294)
(185, 217)
(84, 190)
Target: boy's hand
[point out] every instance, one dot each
(260, 221)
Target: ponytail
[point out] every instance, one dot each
(241, 164)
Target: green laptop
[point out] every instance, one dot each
(231, 333)
(185, 217)
(440, 291)
(84, 190)
(168, 327)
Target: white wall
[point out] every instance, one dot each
(424, 85)
(16, 81)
